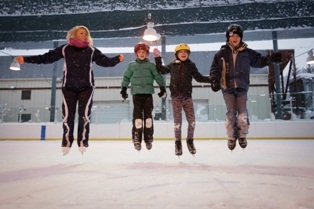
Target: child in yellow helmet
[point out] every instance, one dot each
(182, 70)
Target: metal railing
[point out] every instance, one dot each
(297, 106)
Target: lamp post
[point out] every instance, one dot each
(53, 108)
(163, 99)
(150, 35)
(277, 77)
(14, 65)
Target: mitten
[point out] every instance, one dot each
(123, 93)
(276, 57)
(156, 52)
(215, 85)
(162, 92)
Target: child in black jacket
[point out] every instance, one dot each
(182, 71)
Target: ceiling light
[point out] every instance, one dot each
(310, 58)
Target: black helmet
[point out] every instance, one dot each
(141, 46)
(234, 29)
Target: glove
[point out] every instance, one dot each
(156, 52)
(123, 93)
(162, 92)
(215, 85)
(121, 57)
(276, 57)
(211, 79)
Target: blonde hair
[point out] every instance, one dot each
(71, 34)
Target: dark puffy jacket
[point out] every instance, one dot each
(77, 68)
(236, 74)
(181, 76)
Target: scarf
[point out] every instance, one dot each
(79, 44)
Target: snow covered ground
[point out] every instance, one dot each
(268, 174)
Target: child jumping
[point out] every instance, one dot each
(182, 70)
(230, 71)
(141, 73)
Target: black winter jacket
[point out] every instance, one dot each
(77, 68)
(181, 76)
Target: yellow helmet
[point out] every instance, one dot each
(182, 46)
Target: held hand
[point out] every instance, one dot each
(162, 92)
(215, 85)
(121, 58)
(276, 57)
(20, 59)
(156, 52)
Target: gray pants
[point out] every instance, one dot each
(185, 104)
(237, 121)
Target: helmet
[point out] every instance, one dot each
(182, 46)
(234, 29)
(141, 46)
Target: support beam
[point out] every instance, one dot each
(53, 89)
(277, 77)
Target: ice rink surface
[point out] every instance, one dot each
(268, 174)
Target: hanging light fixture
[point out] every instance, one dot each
(310, 58)
(14, 65)
(150, 33)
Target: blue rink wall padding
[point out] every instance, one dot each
(162, 130)
(43, 132)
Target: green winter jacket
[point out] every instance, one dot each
(141, 74)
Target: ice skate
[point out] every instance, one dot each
(232, 144)
(82, 149)
(137, 144)
(242, 142)
(178, 147)
(65, 150)
(82, 146)
(191, 146)
(149, 144)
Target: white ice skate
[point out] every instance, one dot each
(65, 150)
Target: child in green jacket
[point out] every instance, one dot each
(141, 73)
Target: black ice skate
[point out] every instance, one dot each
(137, 144)
(137, 139)
(178, 147)
(242, 142)
(191, 146)
(232, 144)
(149, 144)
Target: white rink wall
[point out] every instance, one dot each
(163, 130)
